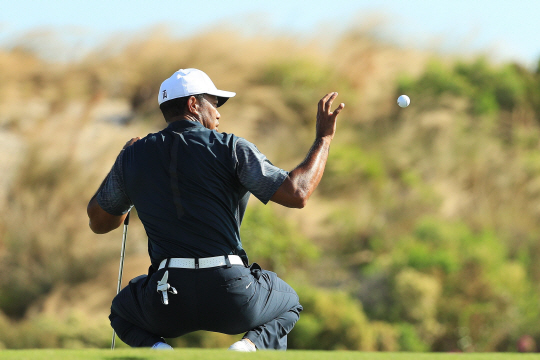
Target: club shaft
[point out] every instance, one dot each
(121, 269)
(122, 255)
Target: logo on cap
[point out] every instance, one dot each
(164, 94)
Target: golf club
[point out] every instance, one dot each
(122, 253)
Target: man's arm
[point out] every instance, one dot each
(304, 179)
(102, 222)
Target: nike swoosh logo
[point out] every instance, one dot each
(248, 285)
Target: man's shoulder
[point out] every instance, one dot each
(150, 139)
(245, 145)
(214, 136)
(149, 144)
(229, 136)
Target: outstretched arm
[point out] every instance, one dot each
(102, 222)
(304, 179)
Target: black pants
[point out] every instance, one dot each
(225, 300)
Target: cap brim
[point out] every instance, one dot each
(222, 96)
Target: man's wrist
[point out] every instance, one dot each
(326, 139)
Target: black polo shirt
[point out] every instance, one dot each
(190, 186)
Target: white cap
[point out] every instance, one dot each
(186, 82)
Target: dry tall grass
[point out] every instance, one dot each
(62, 125)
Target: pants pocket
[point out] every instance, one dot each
(241, 289)
(256, 271)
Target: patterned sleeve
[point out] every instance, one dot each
(256, 172)
(112, 197)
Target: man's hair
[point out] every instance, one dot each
(177, 107)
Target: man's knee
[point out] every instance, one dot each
(118, 323)
(132, 334)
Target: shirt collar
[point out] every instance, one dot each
(181, 125)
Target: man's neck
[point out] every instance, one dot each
(189, 117)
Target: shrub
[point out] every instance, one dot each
(274, 242)
(303, 81)
(419, 295)
(331, 320)
(488, 89)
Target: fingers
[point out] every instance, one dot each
(325, 103)
(322, 102)
(329, 101)
(338, 109)
(130, 142)
(133, 140)
(324, 106)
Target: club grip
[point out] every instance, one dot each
(126, 220)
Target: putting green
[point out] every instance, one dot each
(200, 354)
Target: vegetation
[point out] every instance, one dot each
(423, 233)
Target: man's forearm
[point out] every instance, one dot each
(99, 189)
(308, 174)
(304, 179)
(100, 221)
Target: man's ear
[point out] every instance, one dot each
(193, 105)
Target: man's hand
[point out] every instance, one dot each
(326, 120)
(302, 181)
(131, 142)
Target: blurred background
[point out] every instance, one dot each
(424, 232)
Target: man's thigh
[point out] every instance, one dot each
(246, 298)
(127, 304)
(141, 304)
(274, 297)
(230, 301)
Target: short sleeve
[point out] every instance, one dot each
(112, 197)
(256, 173)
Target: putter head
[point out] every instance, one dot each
(162, 284)
(165, 278)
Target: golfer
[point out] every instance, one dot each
(190, 185)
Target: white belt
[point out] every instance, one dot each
(202, 263)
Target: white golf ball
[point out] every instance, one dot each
(403, 101)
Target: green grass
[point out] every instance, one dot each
(195, 354)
